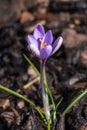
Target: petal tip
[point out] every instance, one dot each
(39, 31)
(57, 44)
(60, 39)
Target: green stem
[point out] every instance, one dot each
(50, 94)
(45, 83)
(23, 98)
(48, 125)
(44, 91)
(74, 102)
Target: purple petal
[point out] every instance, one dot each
(45, 52)
(57, 44)
(39, 32)
(33, 45)
(31, 39)
(48, 37)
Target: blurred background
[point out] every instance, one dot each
(66, 70)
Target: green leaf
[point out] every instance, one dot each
(23, 98)
(76, 100)
(33, 66)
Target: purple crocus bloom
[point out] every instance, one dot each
(41, 43)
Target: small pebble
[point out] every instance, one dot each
(20, 104)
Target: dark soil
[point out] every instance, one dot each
(66, 70)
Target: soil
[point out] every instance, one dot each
(66, 69)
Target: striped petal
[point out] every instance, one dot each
(57, 44)
(48, 38)
(33, 45)
(39, 32)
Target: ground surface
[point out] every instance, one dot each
(66, 70)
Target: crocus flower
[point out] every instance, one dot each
(41, 43)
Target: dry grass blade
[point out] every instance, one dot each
(31, 83)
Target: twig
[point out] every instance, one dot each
(31, 83)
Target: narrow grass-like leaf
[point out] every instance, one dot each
(58, 104)
(33, 66)
(76, 100)
(23, 98)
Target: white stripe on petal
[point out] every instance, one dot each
(34, 50)
(57, 44)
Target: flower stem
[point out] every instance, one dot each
(50, 95)
(44, 91)
(48, 125)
